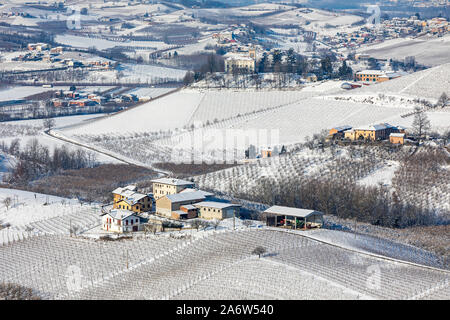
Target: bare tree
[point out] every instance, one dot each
(205, 224)
(49, 123)
(421, 124)
(150, 227)
(10, 291)
(259, 251)
(247, 223)
(443, 100)
(74, 230)
(196, 224)
(215, 223)
(7, 202)
(29, 229)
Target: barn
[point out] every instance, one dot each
(293, 218)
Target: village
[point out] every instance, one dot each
(175, 202)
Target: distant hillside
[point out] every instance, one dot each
(428, 83)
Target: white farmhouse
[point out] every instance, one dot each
(121, 221)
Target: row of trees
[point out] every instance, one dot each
(214, 63)
(294, 63)
(286, 64)
(375, 205)
(36, 160)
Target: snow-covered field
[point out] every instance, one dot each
(35, 214)
(215, 265)
(101, 44)
(429, 83)
(377, 246)
(315, 20)
(289, 116)
(150, 93)
(19, 92)
(167, 113)
(430, 52)
(381, 176)
(59, 121)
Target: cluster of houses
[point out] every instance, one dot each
(178, 199)
(376, 132)
(174, 199)
(44, 52)
(74, 98)
(394, 28)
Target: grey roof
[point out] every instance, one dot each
(343, 128)
(173, 181)
(399, 135)
(376, 127)
(188, 196)
(130, 194)
(205, 193)
(289, 211)
(127, 188)
(121, 214)
(217, 205)
(373, 72)
(189, 206)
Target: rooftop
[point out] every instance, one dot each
(343, 128)
(376, 127)
(398, 135)
(289, 211)
(121, 214)
(130, 194)
(173, 181)
(188, 196)
(217, 205)
(372, 72)
(205, 193)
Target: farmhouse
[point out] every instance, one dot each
(166, 186)
(38, 46)
(128, 198)
(170, 203)
(397, 138)
(216, 210)
(339, 131)
(373, 132)
(121, 221)
(57, 103)
(293, 218)
(82, 103)
(238, 62)
(371, 76)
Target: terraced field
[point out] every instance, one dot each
(212, 265)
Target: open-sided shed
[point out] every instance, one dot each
(294, 218)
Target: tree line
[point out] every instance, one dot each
(36, 160)
(374, 205)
